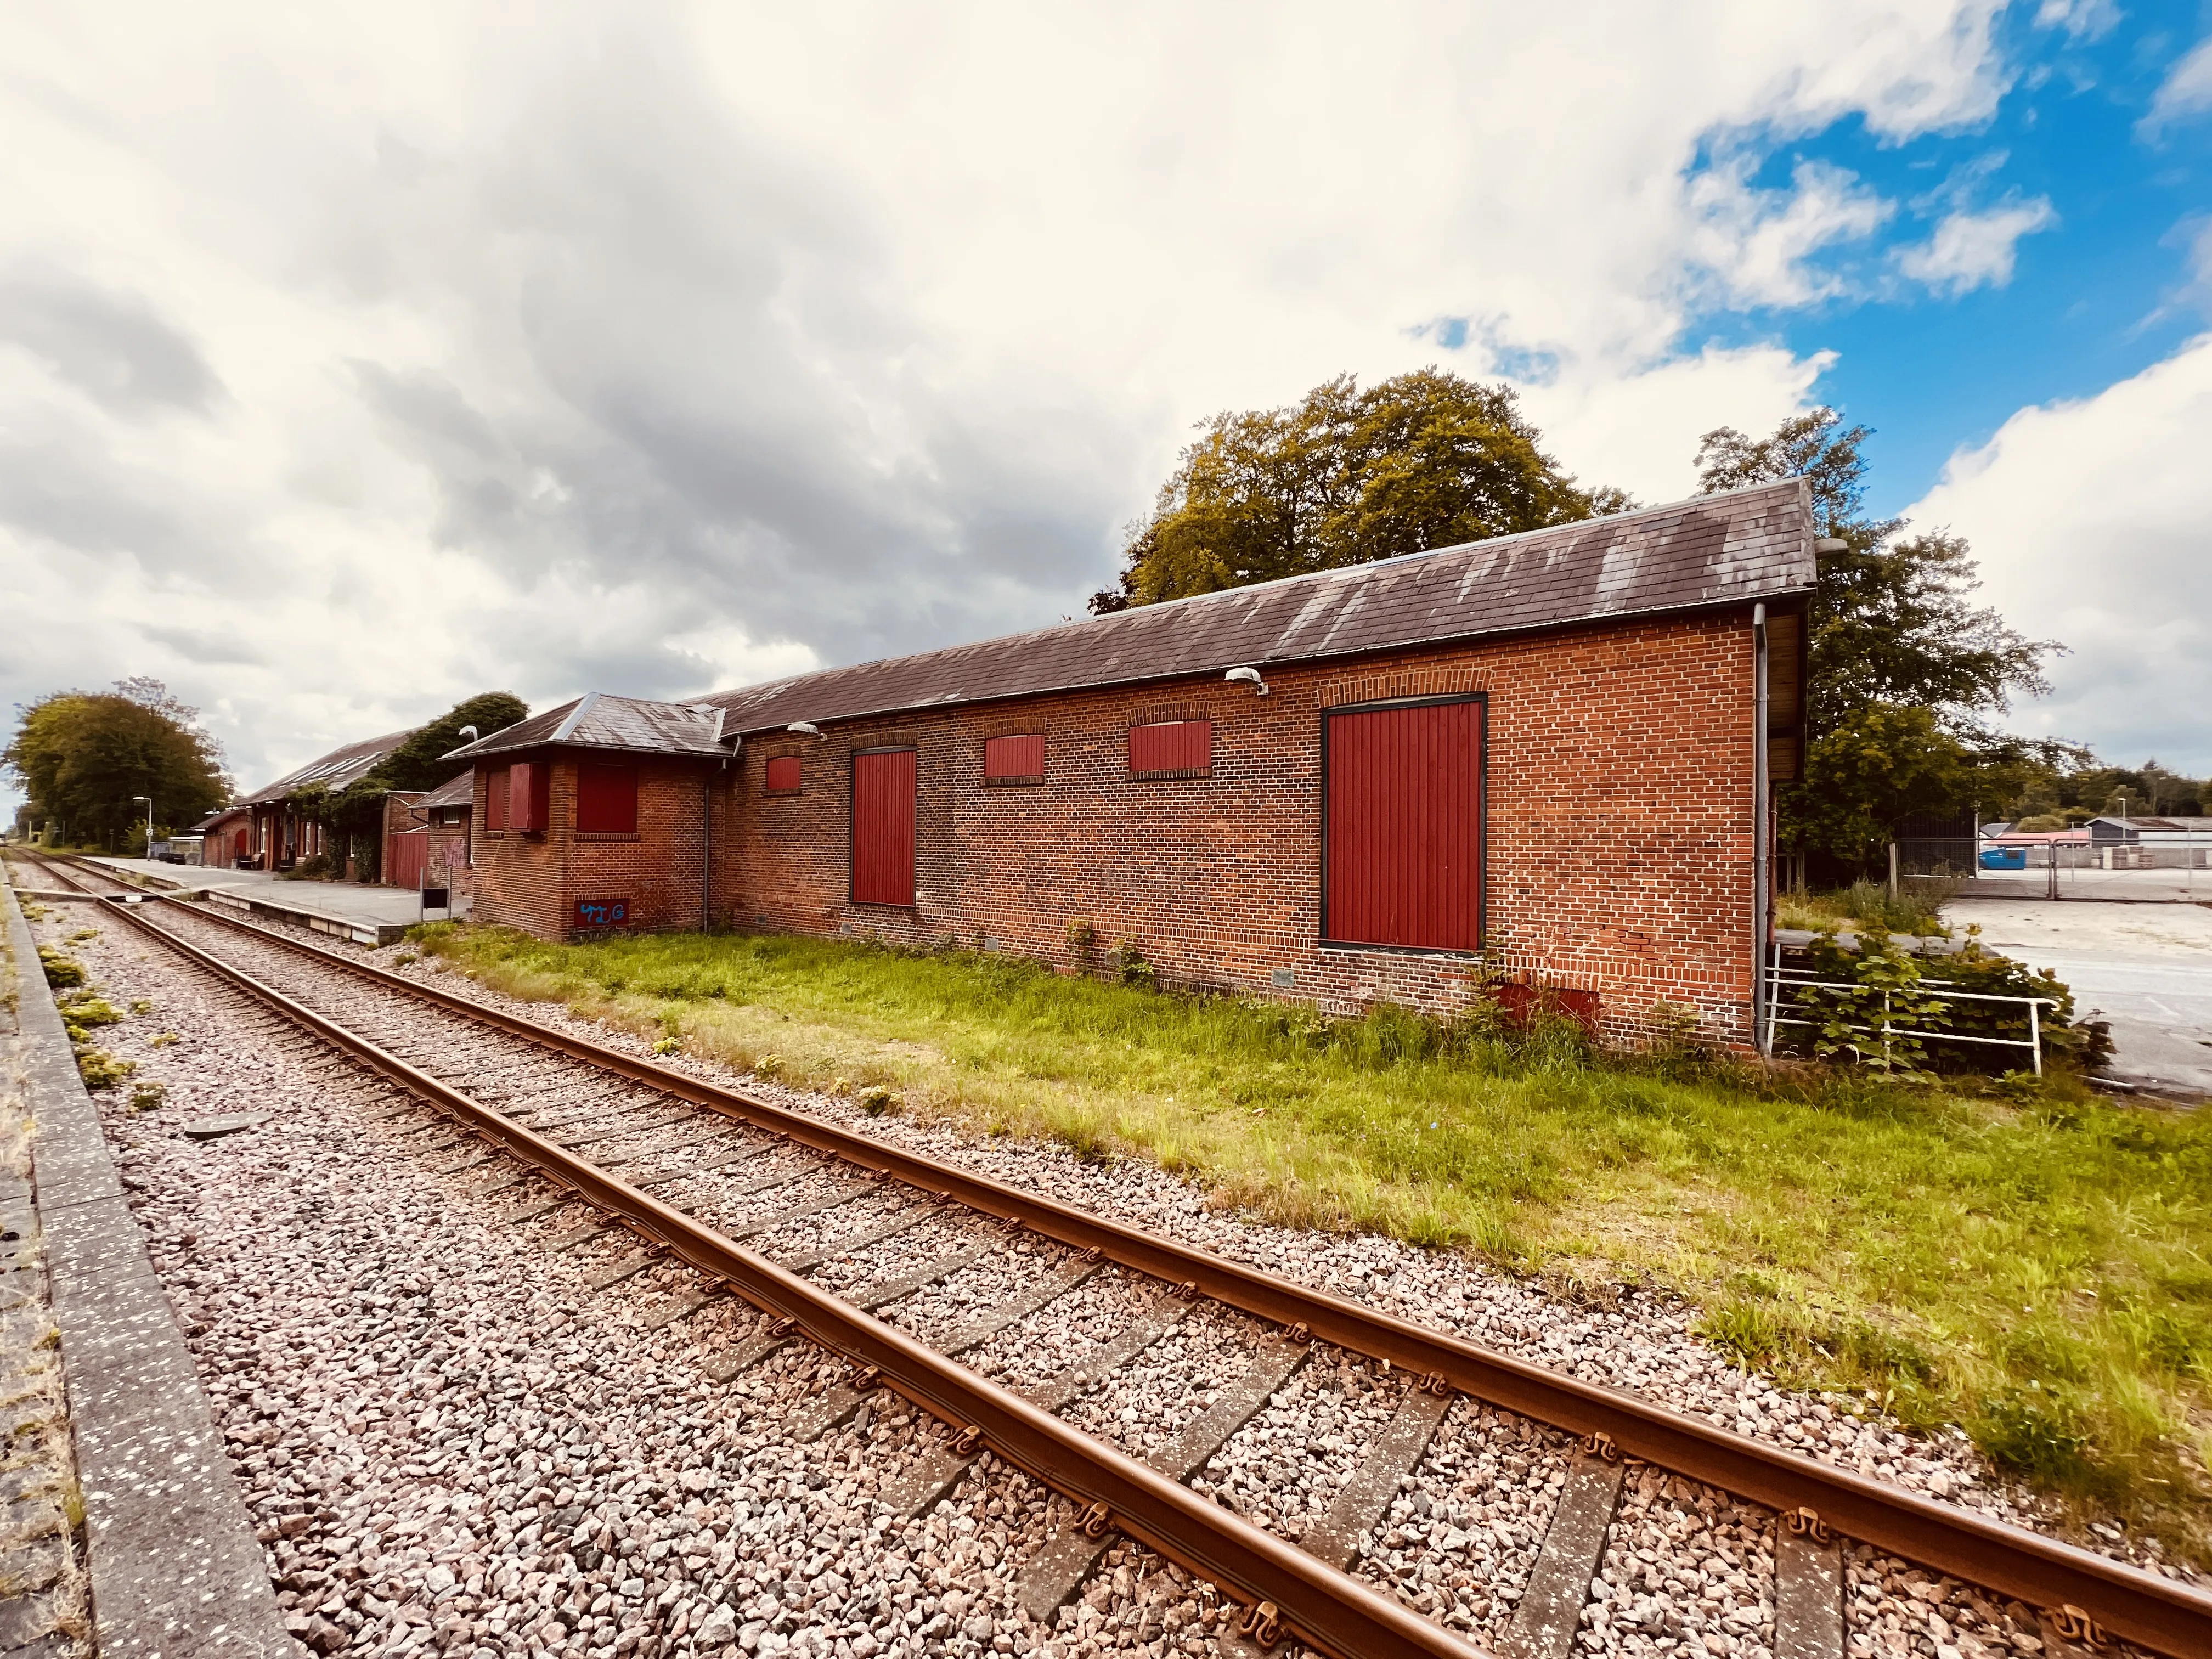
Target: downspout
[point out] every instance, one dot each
(1762, 885)
(705, 849)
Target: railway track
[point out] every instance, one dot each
(687, 1171)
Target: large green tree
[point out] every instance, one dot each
(82, 756)
(1908, 673)
(354, 814)
(1344, 476)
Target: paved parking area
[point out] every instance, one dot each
(2146, 968)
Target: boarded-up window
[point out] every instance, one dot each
(495, 799)
(1171, 748)
(606, 799)
(883, 827)
(783, 774)
(1402, 826)
(529, 795)
(1017, 759)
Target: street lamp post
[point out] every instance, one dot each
(149, 800)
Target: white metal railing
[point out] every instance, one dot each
(1779, 978)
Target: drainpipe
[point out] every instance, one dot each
(706, 850)
(1760, 854)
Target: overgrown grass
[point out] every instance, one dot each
(2028, 1261)
(1916, 909)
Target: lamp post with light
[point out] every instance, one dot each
(149, 800)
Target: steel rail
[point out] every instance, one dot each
(2156, 1612)
(1321, 1605)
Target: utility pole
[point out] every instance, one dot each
(149, 800)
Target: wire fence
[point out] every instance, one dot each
(2168, 866)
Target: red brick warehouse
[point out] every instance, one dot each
(1539, 759)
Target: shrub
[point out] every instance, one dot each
(1885, 977)
(1129, 962)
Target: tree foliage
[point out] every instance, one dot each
(82, 755)
(1907, 671)
(1345, 477)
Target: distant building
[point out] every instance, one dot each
(279, 835)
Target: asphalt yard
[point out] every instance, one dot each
(2145, 967)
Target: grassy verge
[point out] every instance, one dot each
(2029, 1262)
(1917, 909)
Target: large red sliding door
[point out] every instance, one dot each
(1402, 823)
(883, 827)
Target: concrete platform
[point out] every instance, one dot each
(175, 1567)
(349, 910)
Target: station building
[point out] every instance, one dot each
(1540, 765)
(277, 834)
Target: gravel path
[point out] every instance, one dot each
(438, 1398)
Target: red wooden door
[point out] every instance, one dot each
(404, 858)
(1403, 826)
(883, 827)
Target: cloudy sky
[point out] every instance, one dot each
(356, 360)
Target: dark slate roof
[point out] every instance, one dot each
(1733, 548)
(599, 721)
(334, 770)
(459, 790)
(214, 818)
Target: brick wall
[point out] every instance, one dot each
(448, 862)
(1619, 832)
(533, 881)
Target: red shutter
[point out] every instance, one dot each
(529, 795)
(1404, 815)
(1174, 748)
(606, 799)
(883, 827)
(404, 856)
(1006, 759)
(495, 799)
(784, 777)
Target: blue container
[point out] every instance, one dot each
(2004, 858)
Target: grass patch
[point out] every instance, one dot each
(1917, 909)
(2030, 1263)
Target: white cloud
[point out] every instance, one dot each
(2081, 20)
(2186, 91)
(1759, 243)
(370, 360)
(1969, 249)
(2093, 521)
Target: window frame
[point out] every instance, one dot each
(1014, 780)
(1171, 773)
(634, 774)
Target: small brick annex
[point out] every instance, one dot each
(1618, 811)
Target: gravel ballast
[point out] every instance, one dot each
(450, 1442)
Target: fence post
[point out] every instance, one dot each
(2035, 1032)
(1892, 872)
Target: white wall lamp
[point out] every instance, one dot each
(1247, 677)
(803, 729)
